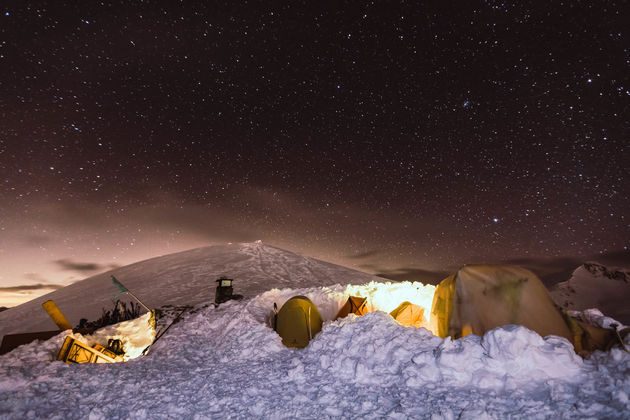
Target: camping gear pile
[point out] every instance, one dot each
(112, 344)
(136, 331)
(474, 300)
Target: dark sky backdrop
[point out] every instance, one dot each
(404, 138)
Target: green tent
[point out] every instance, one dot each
(297, 322)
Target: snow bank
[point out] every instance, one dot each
(376, 349)
(227, 362)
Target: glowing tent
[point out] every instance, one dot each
(354, 305)
(410, 315)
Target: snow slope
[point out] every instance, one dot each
(593, 285)
(184, 278)
(227, 362)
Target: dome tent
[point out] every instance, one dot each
(354, 305)
(479, 298)
(409, 315)
(297, 322)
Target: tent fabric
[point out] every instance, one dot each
(477, 299)
(298, 321)
(409, 315)
(354, 305)
(589, 338)
(442, 306)
(595, 338)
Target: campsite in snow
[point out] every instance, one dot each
(227, 360)
(319, 209)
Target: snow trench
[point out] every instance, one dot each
(228, 362)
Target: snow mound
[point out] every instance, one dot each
(227, 362)
(375, 349)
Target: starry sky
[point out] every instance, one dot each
(396, 137)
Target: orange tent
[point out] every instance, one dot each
(354, 305)
(410, 315)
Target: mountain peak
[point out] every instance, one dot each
(184, 278)
(593, 285)
(601, 271)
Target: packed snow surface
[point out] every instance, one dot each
(228, 362)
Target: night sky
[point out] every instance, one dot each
(400, 138)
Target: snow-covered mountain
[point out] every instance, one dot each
(227, 362)
(184, 278)
(593, 285)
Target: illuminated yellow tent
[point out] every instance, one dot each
(479, 298)
(354, 305)
(298, 321)
(410, 315)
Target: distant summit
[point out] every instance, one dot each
(599, 270)
(593, 285)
